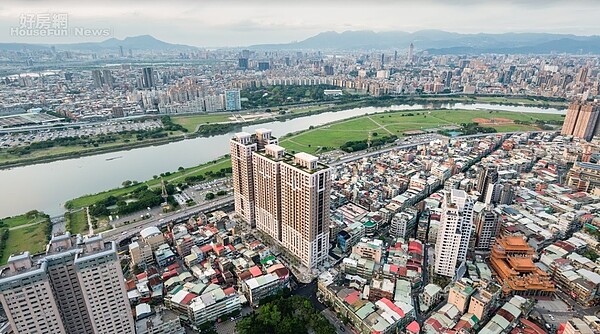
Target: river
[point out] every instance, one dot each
(46, 187)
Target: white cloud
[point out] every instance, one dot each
(237, 22)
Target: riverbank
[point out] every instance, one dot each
(335, 135)
(207, 125)
(26, 232)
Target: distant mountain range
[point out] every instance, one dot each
(443, 42)
(143, 42)
(433, 41)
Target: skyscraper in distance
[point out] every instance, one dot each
(147, 77)
(411, 53)
(232, 100)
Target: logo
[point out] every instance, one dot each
(53, 25)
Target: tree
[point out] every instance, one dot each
(180, 168)
(126, 183)
(209, 196)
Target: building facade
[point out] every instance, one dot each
(241, 147)
(305, 190)
(582, 120)
(454, 233)
(77, 287)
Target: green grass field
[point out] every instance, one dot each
(397, 122)
(175, 177)
(27, 232)
(25, 219)
(77, 222)
(191, 122)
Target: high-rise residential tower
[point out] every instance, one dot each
(285, 196)
(486, 225)
(267, 189)
(487, 176)
(76, 287)
(305, 190)
(582, 120)
(147, 77)
(454, 233)
(232, 100)
(241, 147)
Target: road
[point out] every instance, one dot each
(127, 231)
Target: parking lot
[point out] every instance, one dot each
(26, 138)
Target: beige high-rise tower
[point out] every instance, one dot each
(305, 190)
(285, 196)
(582, 120)
(267, 189)
(241, 147)
(76, 287)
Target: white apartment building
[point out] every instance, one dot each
(454, 233)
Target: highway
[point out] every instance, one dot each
(127, 231)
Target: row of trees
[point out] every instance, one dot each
(95, 141)
(3, 238)
(274, 96)
(140, 199)
(359, 145)
(292, 315)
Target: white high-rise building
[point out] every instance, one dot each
(267, 189)
(454, 233)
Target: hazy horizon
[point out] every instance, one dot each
(234, 23)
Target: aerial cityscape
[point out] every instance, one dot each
(296, 168)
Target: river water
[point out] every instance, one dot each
(46, 187)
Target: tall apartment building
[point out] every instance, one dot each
(267, 189)
(486, 226)
(241, 147)
(147, 77)
(305, 189)
(232, 100)
(77, 287)
(285, 196)
(487, 176)
(582, 120)
(454, 233)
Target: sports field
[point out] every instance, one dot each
(397, 122)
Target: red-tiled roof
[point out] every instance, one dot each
(188, 298)
(352, 297)
(229, 291)
(413, 327)
(141, 277)
(392, 306)
(255, 271)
